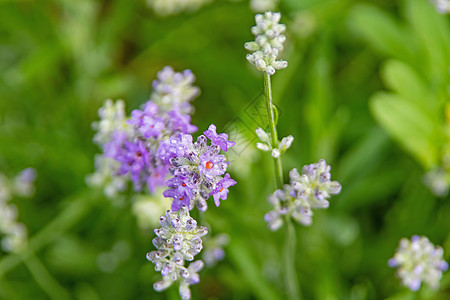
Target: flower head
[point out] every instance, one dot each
(197, 169)
(268, 43)
(305, 192)
(178, 240)
(418, 260)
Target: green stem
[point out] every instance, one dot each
(45, 280)
(289, 253)
(273, 129)
(293, 287)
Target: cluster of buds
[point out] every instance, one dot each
(268, 43)
(173, 90)
(15, 233)
(266, 145)
(197, 169)
(305, 192)
(130, 144)
(418, 260)
(173, 7)
(178, 240)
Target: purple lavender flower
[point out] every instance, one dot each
(418, 260)
(180, 192)
(145, 143)
(197, 165)
(147, 122)
(220, 140)
(115, 148)
(134, 160)
(309, 190)
(221, 189)
(137, 115)
(174, 147)
(157, 176)
(212, 164)
(180, 122)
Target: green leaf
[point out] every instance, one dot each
(408, 124)
(381, 31)
(433, 31)
(409, 85)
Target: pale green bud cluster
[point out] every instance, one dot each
(112, 118)
(107, 174)
(178, 240)
(418, 260)
(266, 145)
(268, 43)
(174, 90)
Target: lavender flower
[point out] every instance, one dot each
(306, 191)
(220, 140)
(130, 146)
(178, 240)
(198, 169)
(418, 260)
(268, 43)
(174, 91)
(15, 233)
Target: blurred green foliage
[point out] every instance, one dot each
(365, 89)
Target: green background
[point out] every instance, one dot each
(59, 60)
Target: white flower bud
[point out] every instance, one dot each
(263, 147)
(275, 153)
(285, 143)
(263, 136)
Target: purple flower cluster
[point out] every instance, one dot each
(137, 152)
(198, 168)
(130, 145)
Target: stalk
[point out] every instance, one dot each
(293, 287)
(273, 130)
(289, 250)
